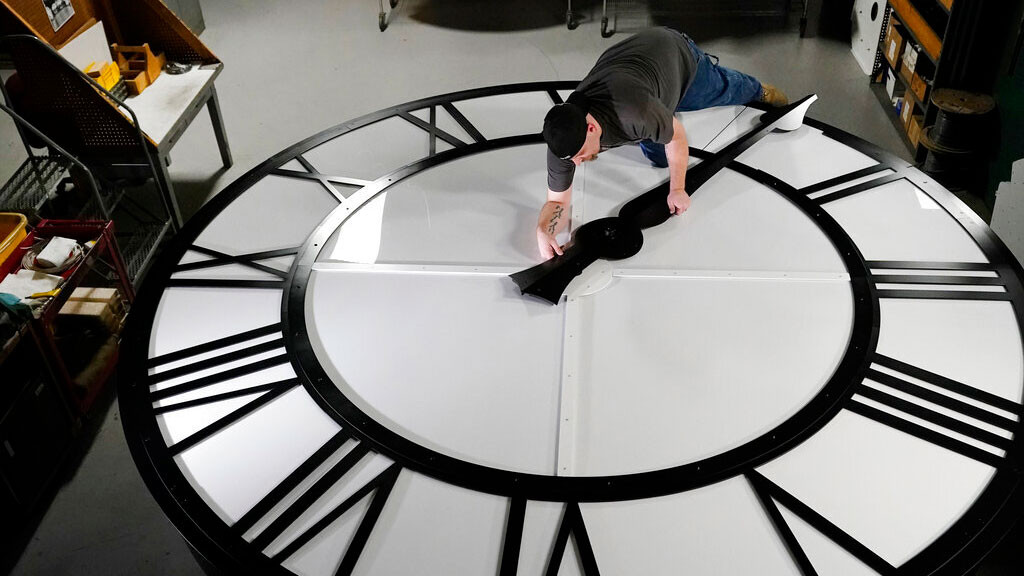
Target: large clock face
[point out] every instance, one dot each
(818, 369)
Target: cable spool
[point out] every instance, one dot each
(961, 120)
(953, 167)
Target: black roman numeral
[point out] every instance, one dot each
(840, 180)
(944, 423)
(219, 360)
(768, 493)
(276, 390)
(572, 523)
(218, 259)
(380, 486)
(329, 183)
(222, 283)
(251, 260)
(851, 190)
(268, 392)
(463, 122)
(941, 277)
(513, 538)
(432, 129)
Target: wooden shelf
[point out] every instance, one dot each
(918, 28)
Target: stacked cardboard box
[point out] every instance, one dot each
(894, 43)
(98, 307)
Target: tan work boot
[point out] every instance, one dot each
(773, 96)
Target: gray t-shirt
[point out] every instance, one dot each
(632, 92)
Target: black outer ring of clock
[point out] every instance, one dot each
(956, 551)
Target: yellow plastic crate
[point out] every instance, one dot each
(12, 232)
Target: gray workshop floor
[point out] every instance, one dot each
(295, 68)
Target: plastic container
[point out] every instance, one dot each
(12, 232)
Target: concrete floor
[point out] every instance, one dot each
(295, 68)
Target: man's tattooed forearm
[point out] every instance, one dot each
(555, 216)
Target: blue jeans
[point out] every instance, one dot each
(712, 85)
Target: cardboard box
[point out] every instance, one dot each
(907, 112)
(919, 87)
(894, 43)
(890, 82)
(78, 311)
(910, 57)
(914, 129)
(108, 296)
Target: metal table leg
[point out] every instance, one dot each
(213, 105)
(570, 19)
(605, 32)
(163, 179)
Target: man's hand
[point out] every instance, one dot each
(554, 217)
(678, 201)
(678, 153)
(547, 244)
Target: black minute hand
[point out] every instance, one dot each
(620, 237)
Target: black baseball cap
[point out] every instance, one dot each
(565, 129)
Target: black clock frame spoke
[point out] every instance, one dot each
(950, 384)
(766, 489)
(513, 537)
(217, 378)
(432, 129)
(223, 283)
(926, 434)
(380, 487)
(214, 345)
(954, 552)
(796, 551)
(858, 188)
(279, 492)
(224, 396)
(310, 496)
(849, 177)
(236, 415)
(572, 524)
(215, 361)
(250, 260)
(464, 122)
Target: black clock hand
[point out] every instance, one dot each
(621, 237)
(608, 238)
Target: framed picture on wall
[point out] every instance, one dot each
(59, 12)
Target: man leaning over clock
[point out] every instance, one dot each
(629, 97)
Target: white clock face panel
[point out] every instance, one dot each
(818, 369)
(653, 352)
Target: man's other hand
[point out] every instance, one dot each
(678, 201)
(547, 244)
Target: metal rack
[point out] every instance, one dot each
(962, 59)
(33, 187)
(33, 183)
(102, 258)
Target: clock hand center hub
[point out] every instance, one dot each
(612, 238)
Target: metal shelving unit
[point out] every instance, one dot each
(33, 189)
(34, 183)
(955, 52)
